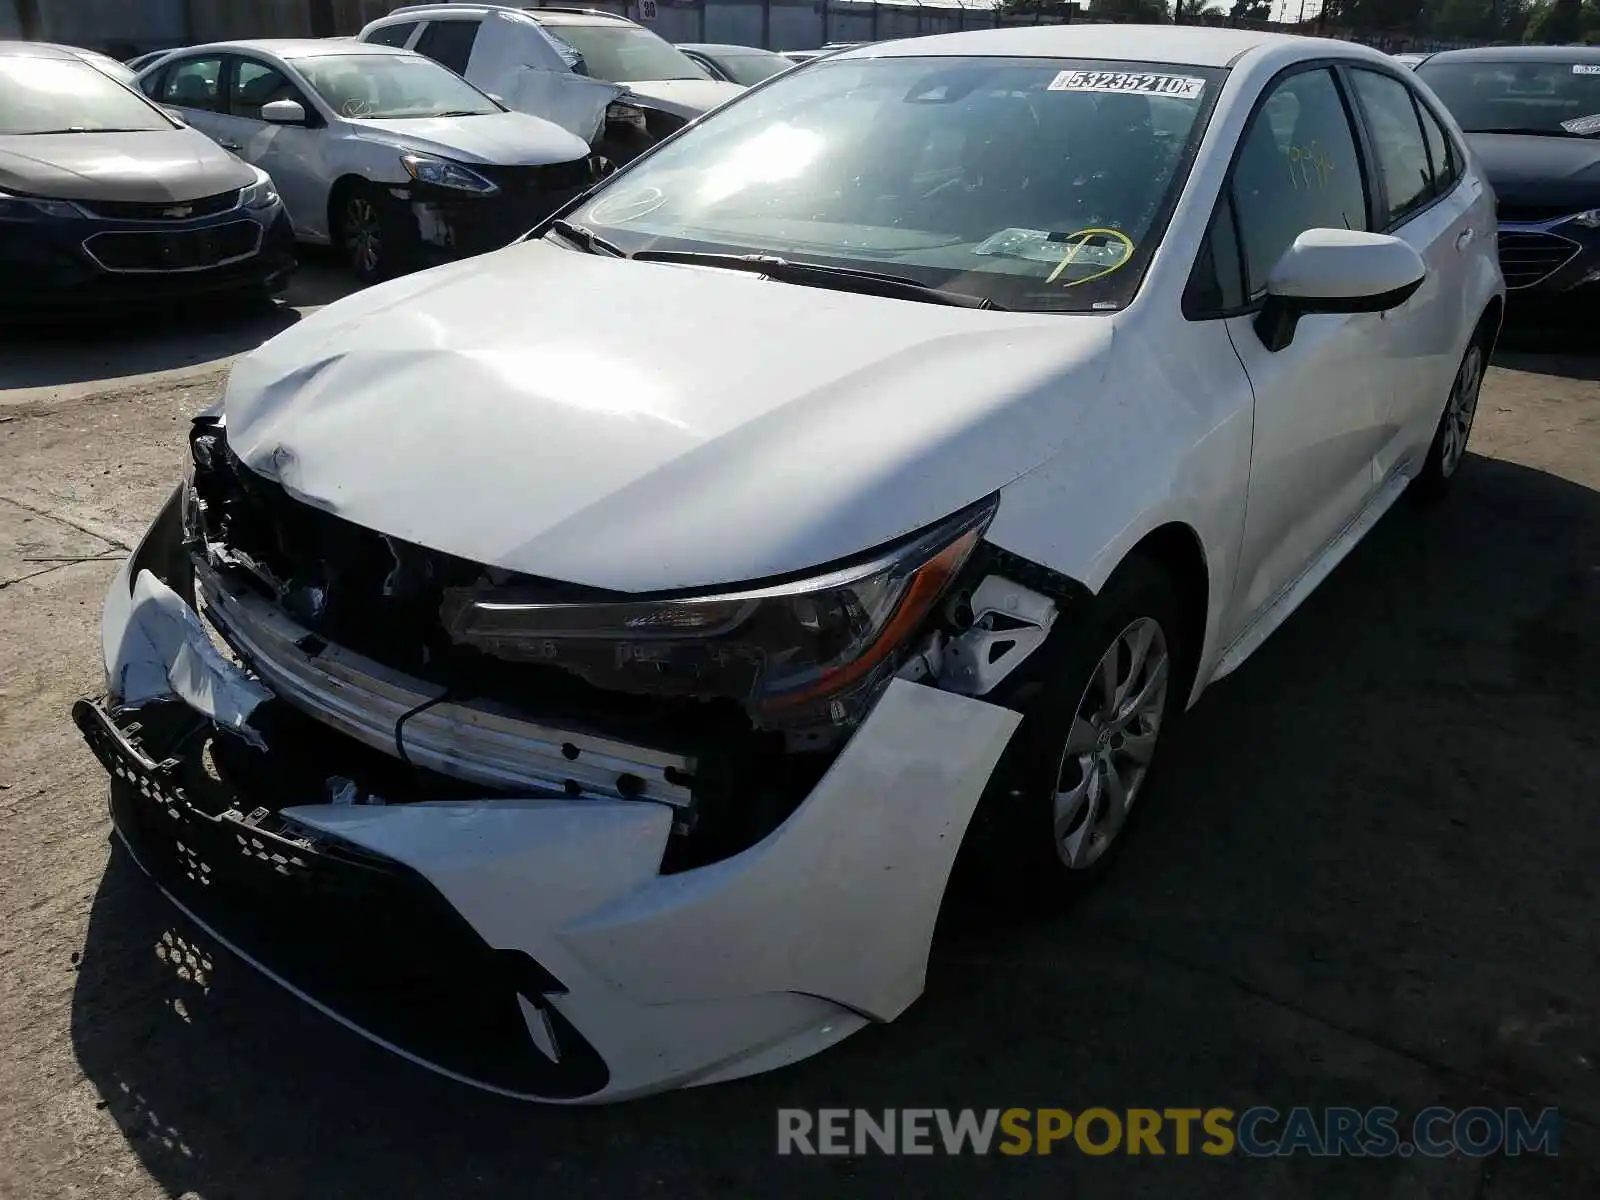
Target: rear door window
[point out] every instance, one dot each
(449, 43)
(194, 83)
(396, 35)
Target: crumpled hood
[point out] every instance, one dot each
(508, 139)
(686, 98)
(644, 426)
(154, 167)
(1531, 170)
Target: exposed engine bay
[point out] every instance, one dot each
(401, 672)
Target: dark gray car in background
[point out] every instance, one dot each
(106, 198)
(1532, 116)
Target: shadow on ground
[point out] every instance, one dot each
(1366, 878)
(1549, 338)
(140, 339)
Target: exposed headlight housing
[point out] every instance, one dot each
(28, 208)
(806, 652)
(441, 172)
(260, 194)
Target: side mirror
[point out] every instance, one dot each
(176, 114)
(284, 112)
(1336, 271)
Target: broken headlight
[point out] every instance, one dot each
(807, 651)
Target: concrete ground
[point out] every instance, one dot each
(1367, 879)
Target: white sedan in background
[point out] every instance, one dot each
(379, 151)
(635, 622)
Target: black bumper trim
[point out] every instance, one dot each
(360, 936)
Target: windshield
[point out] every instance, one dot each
(59, 95)
(1039, 184)
(378, 87)
(624, 53)
(1558, 98)
(751, 69)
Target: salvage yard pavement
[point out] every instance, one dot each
(1366, 879)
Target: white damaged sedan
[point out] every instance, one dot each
(577, 669)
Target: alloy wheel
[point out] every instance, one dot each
(363, 235)
(1111, 742)
(1460, 410)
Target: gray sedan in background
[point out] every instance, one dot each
(747, 65)
(105, 198)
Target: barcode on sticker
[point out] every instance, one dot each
(1586, 68)
(1179, 87)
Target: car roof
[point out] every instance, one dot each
(1192, 45)
(547, 16)
(39, 50)
(725, 48)
(293, 48)
(1537, 54)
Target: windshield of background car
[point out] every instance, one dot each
(1560, 98)
(625, 53)
(58, 95)
(376, 87)
(751, 69)
(1039, 184)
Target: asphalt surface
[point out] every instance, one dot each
(1366, 877)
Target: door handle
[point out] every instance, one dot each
(1464, 238)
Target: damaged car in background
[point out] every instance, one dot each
(583, 703)
(380, 152)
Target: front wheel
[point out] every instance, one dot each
(1059, 809)
(1449, 447)
(372, 234)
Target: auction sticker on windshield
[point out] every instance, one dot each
(1180, 87)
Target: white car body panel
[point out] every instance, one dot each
(305, 163)
(686, 98)
(707, 477)
(568, 415)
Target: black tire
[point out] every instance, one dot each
(1448, 451)
(375, 234)
(1011, 849)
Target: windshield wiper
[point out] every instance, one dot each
(872, 283)
(587, 239)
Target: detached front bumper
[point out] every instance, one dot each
(530, 944)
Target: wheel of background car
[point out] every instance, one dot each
(1097, 703)
(1449, 448)
(373, 233)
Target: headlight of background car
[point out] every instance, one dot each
(1589, 220)
(807, 652)
(26, 208)
(441, 172)
(261, 193)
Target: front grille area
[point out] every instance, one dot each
(1528, 258)
(150, 251)
(167, 210)
(554, 180)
